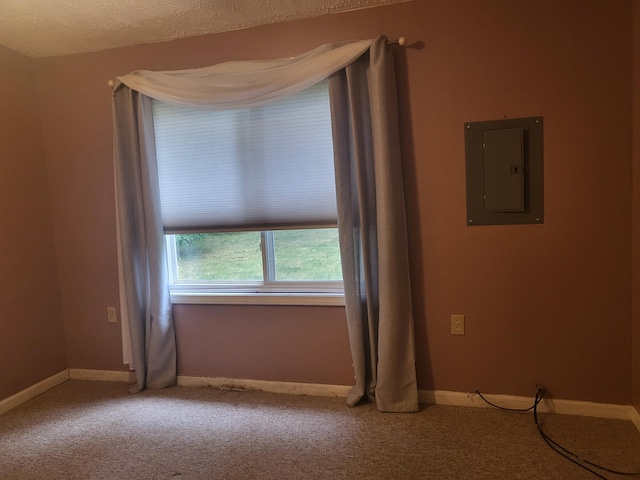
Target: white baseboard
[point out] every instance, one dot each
(102, 375)
(564, 407)
(635, 417)
(311, 389)
(437, 397)
(33, 391)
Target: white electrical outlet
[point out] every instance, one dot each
(111, 315)
(457, 324)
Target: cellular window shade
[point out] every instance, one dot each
(261, 168)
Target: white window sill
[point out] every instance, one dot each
(270, 298)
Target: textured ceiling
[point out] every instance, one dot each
(45, 28)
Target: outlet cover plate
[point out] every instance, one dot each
(457, 324)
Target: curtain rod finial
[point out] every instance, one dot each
(402, 41)
(110, 83)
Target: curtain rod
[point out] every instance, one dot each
(402, 41)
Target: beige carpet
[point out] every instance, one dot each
(97, 430)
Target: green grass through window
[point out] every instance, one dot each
(300, 255)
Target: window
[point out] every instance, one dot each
(294, 261)
(248, 200)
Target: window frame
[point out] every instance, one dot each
(269, 291)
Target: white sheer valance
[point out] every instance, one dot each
(242, 84)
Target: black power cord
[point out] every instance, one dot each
(555, 446)
(505, 408)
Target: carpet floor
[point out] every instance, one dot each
(97, 430)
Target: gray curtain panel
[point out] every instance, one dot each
(145, 271)
(373, 231)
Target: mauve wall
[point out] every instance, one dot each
(544, 304)
(636, 205)
(292, 343)
(31, 336)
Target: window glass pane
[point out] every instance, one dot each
(311, 254)
(219, 256)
